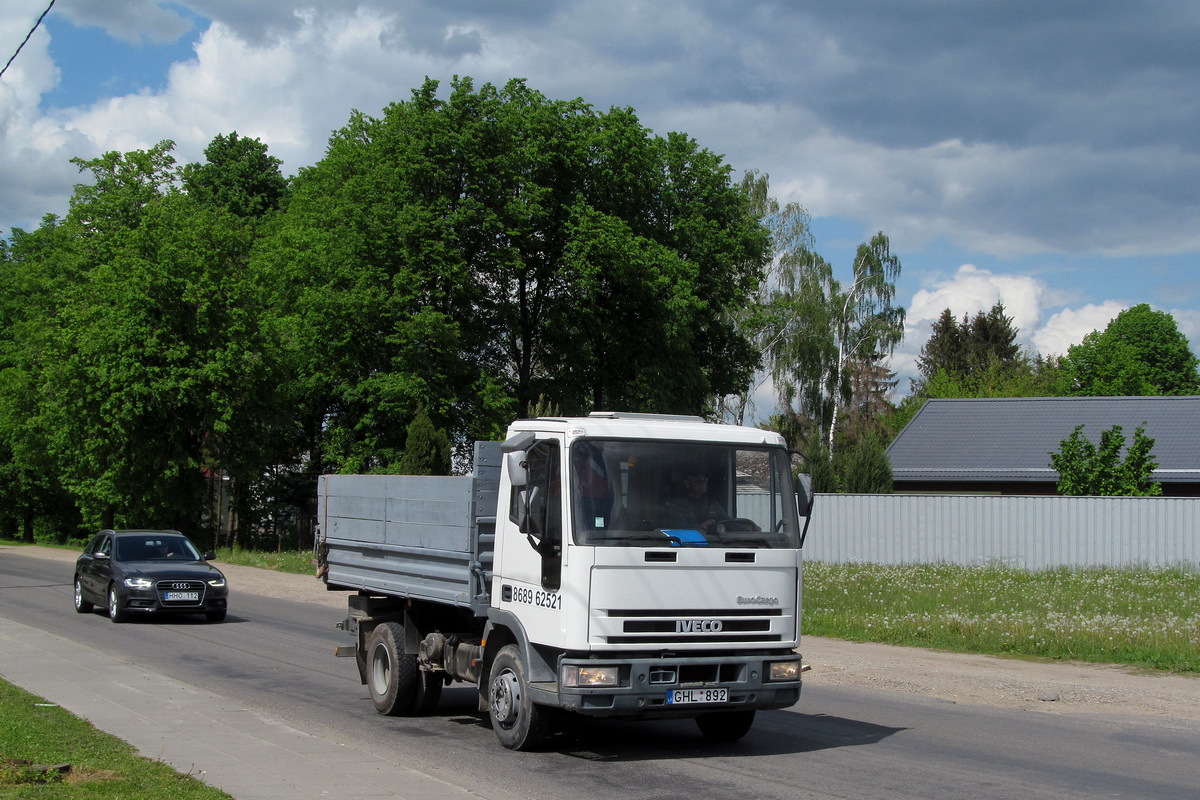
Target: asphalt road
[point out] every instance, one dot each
(277, 655)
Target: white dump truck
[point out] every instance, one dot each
(616, 565)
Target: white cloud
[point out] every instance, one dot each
(1026, 299)
(1188, 322)
(972, 290)
(1069, 326)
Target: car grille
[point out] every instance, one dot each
(171, 587)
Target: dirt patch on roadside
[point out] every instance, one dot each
(1047, 686)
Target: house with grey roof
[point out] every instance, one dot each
(1003, 445)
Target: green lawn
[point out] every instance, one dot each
(35, 734)
(1142, 617)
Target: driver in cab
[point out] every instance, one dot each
(694, 509)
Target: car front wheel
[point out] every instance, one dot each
(81, 605)
(115, 611)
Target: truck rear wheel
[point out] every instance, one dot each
(392, 675)
(725, 726)
(519, 723)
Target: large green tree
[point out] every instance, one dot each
(34, 272)
(466, 253)
(1140, 352)
(158, 369)
(471, 253)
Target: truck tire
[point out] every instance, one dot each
(391, 673)
(519, 723)
(725, 726)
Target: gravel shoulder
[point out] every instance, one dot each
(1039, 686)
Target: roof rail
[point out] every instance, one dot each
(648, 417)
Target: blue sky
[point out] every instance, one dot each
(1046, 155)
(95, 65)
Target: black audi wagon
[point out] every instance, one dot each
(156, 572)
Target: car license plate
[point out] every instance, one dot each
(678, 697)
(193, 596)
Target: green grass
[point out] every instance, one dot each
(34, 733)
(290, 561)
(1138, 616)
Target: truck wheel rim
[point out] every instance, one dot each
(506, 698)
(381, 670)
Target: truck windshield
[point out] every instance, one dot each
(681, 494)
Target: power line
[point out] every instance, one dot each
(22, 44)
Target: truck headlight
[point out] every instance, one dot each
(581, 676)
(784, 670)
(138, 583)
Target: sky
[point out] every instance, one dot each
(1045, 155)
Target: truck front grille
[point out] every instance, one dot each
(695, 626)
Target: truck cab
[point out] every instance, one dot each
(648, 566)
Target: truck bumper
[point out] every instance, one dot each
(675, 687)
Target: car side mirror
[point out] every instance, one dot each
(100, 554)
(209, 555)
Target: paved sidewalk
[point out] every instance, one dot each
(242, 751)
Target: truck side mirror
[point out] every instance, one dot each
(804, 502)
(804, 494)
(517, 474)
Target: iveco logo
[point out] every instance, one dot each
(697, 625)
(757, 600)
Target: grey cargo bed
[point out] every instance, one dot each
(419, 537)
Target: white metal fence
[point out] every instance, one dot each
(1027, 532)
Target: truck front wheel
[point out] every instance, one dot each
(518, 723)
(725, 726)
(391, 673)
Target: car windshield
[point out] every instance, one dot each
(155, 547)
(673, 494)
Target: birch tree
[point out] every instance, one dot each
(867, 325)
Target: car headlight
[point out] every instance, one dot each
(581, 676)
(216, 583)
(784, 670)
(138, 583)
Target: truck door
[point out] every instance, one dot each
(537, 508)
